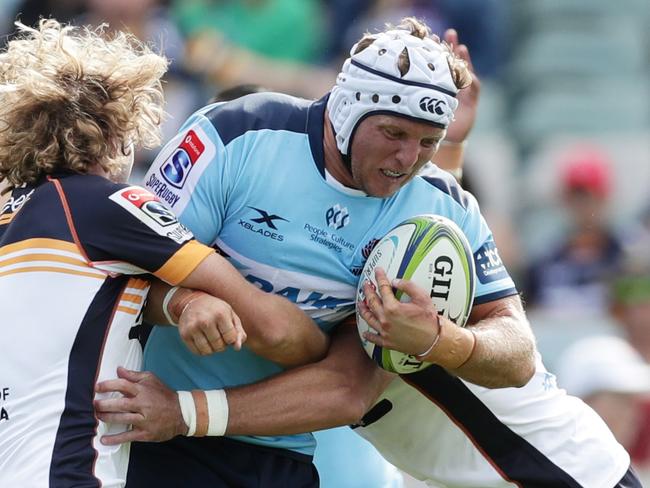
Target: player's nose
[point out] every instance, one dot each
(407, 154)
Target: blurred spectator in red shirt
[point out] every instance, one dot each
(573, 276)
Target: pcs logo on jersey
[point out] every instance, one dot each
(178, 166)
(337, 217)
(146, 207)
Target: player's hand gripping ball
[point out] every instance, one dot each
(434, 253)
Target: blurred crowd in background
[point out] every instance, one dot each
(559, 158)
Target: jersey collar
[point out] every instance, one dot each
(315, 130)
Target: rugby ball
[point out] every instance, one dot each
(433, 252)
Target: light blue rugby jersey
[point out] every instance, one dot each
(248, 177)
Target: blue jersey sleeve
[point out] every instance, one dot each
(192, 175)
(492, 278)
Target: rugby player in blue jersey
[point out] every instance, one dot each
(295, 193)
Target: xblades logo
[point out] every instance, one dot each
(266, 218)
(268, 221)
(433, 105)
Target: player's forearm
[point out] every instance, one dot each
(336, 391)
(298, 401)
(504, 354)
(277, 329)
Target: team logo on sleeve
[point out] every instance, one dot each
(146, 207)
(177, 167)
(151, 207)
(489, 266)
(176, 171)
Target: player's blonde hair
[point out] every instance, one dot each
(460, 73)
(71, 98)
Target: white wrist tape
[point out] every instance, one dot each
(165, 305)
(204, 412)
(218, 411)
(188, 411)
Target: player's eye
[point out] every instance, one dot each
(429, 143)
(392, 133)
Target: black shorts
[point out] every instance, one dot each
(630, 480)
(217, 462)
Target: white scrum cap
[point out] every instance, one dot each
(371, 83)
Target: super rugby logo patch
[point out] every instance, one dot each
(177, 167)
(146, 207)
(175, 173)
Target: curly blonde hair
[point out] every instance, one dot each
(461, 75)
(72, 98)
